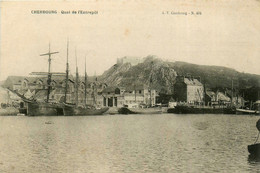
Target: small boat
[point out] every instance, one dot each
(126, 110)
(252, 109)
(246, 111)
(254, 149)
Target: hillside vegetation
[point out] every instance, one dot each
(161, 75)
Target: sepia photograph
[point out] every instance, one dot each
(129, 86)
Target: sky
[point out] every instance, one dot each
(223, 33)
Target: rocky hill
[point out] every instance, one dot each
(153, 71)
(161, 75)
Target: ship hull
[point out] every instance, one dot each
(246, 111)
(34, 108)
(78, 111)
(125, 110)
(200, 110)
(43, 109)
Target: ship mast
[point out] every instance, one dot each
(77, 80)
(232, 92)
(204, 92)
(151, 80)
(85, 101)
(150, 91)
(135, 92)
(67, 72)
(49, 71)
(94, 90)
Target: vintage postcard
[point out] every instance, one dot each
(130, 86)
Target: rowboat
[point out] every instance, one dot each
(246, 111)
(254, 149)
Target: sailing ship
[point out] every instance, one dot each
(44, 108)
(76, 109)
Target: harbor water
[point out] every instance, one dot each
(128, 143)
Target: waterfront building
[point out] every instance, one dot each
(172, 103)
(35, 86)
(210, 98)
(9, 98)
(131, 95)
(189, 90)
(113, 96)
(217, 98)
(94, 90)
(13, 82)
(98, 93)
(236, 98)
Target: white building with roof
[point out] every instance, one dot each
(131, 95)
